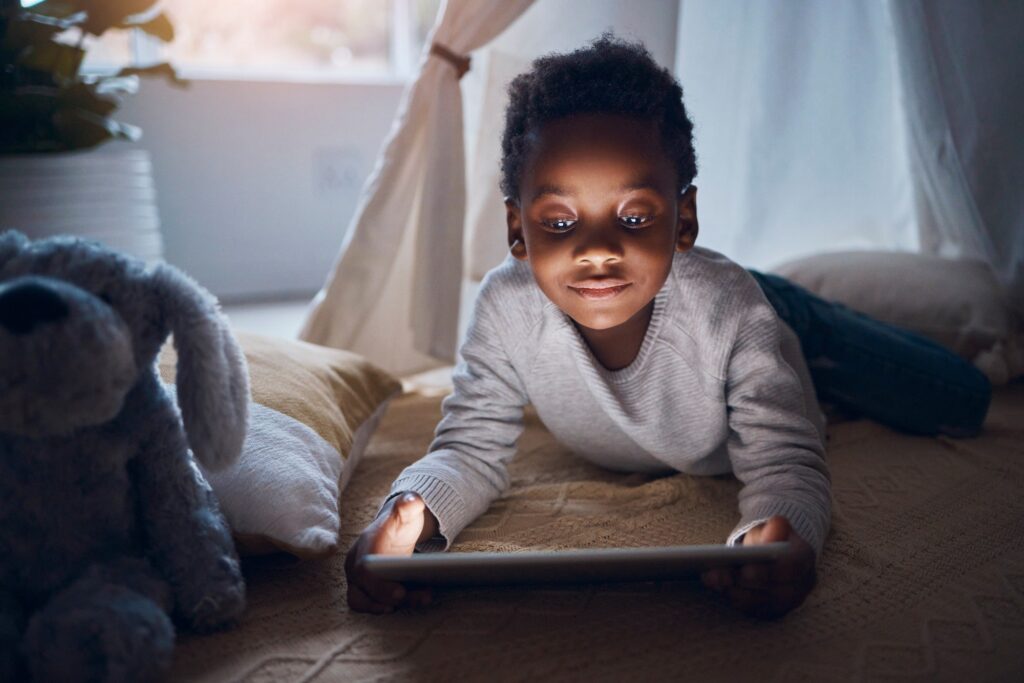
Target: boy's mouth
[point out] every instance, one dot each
(600, 289)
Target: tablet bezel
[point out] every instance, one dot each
(664, 563)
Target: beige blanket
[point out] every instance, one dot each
(922, 577)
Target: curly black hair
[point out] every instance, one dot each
(610, 76)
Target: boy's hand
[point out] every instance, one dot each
(768, 589)
(403, 522)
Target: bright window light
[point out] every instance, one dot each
(290, 39)
(110, 52)
(309, 35)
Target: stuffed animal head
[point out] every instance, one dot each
(79, 324)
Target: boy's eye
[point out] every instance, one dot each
(559, 224)
(635, 220)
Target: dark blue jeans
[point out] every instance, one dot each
(881, 371)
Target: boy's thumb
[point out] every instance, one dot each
(775, 529)
(409, 505)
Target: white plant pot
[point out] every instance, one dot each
(104, 195)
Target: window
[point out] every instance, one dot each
(114, 49)
(291, 39)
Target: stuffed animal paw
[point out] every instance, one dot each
(220, 603)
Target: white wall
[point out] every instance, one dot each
(257, 181)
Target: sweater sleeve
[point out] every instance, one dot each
(774, 447)
(466, 467)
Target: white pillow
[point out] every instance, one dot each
(282, 493)
(313, 412)
(957, 303)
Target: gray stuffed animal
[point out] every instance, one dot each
(107, 526)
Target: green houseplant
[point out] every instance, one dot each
(52, 116)
(46, 103)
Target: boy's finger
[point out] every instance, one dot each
(746, 599)
(770, 582)
(789, 570)
(384, 592)
(769, 603)
(764, 604)
(777, 528)
(718, 579)
(359, 601)
(756, 574)
(408, 507)
(399, 531)
(418, 597)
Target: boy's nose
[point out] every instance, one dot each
(598, 258)
(598, 247)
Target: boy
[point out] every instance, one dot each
(639, 351)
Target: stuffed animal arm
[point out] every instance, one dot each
(186, 537)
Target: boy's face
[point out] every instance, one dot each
(599, 217)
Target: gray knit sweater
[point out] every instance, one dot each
(719, 385)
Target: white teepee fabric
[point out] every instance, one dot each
(852, 125)
(400, 268)
(486, 242)
(962, 65)
(798, 128)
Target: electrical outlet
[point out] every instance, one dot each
(337, 170)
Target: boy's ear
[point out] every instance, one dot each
(514, 221)
(687, 226)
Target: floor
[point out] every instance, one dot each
(274, 319)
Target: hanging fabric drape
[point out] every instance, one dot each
(962, 68)
(798, 129)
(394, 293)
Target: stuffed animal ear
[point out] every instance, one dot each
(212, 375)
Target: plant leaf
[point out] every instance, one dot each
(58, 59)
(26, 120)
(117, 86)
(80, 129)
(104, 14)
(164, 69)
(89, 97)
(159, 26)
(25, 29)
(56, 8)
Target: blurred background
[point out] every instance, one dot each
(800, 123)
(259, 163)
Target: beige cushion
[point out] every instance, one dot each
(315, 410)
(957, 303)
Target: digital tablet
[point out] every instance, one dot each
(566, 566)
